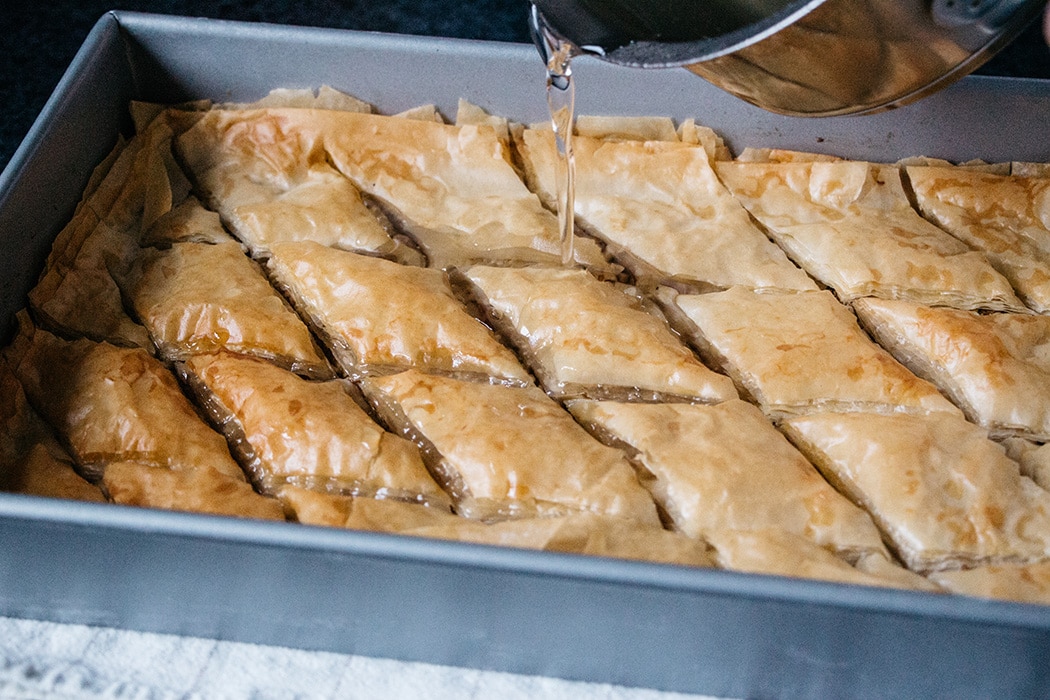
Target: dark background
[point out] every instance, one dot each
(38, 42)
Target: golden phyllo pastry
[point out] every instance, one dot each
(850, 225)
(77, 293)
(780, 553)
(1006, 217)
(31, 461)
(452, 188)
(189, 222)
(725, 467)
(201, 490)
(507, 452)
(378, 316)
(578, 533)
(943, 494)
(996, 367)
(800, 353)
(313, 507)
(585, 337)
(1028, 583)
(80, 290)
(1033, 458)
(196, 298)
(44, 470)
(289, 430)
(111, 404)
(663, 214)
(271, 182)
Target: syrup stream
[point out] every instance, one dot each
(561, 102)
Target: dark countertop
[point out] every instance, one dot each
(39, 40)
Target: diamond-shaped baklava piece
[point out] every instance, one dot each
(585, 337)
(943, 494)
(508, 451)
(377, 316)
(110, 404)
(1007, 217)
(196, 298)
(800, 353)
(725, 467)
(850, 225)
(272, 182)
(663, 214)
(289, 430)
(996, 367)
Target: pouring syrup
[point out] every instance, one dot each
(561, 102)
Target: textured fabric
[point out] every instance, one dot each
(41, 660)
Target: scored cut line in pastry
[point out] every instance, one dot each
(995, 367)
(944, 495)
(585, 337)
(850, 225)
(378, 316)
(506, 452)
(663, 213)
(288, 430)
(800, 353)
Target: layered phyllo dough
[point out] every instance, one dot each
(31, 460)
(584, 337)
(302, 310)
(271, 183)
(452, 188)
(576, 533)
(662, 212)
(289, 430)
(800, 353)
(196, 298)
(203, 490)
(996, 367)
(850, 225)
(779, 553)
(943, 494)
(1005, 216)
(111, 404)
(1023, 583)
(1034, 459)
(725, 467)
(505, 452)
(380, 317)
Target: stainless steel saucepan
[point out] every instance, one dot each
(796, 57)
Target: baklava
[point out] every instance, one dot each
(850, 225)
(800, 353)
(584, 337)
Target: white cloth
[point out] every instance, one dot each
(45, 660)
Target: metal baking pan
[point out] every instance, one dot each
(594, 619)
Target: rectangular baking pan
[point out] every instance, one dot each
(671, 628)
